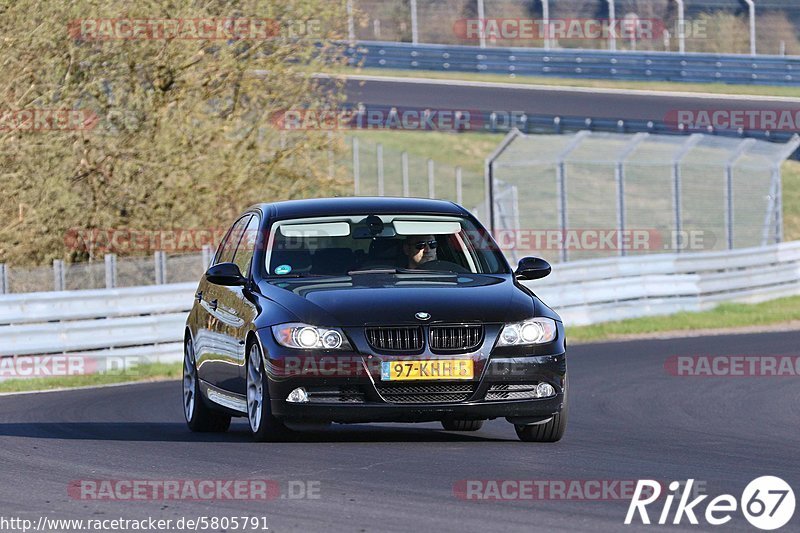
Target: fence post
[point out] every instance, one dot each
(4, 289)
(459, 187)
(547, 26)
(488, 177)
(482, 18)
(351, 25)
(404, 166)
(111, 270)
(681, 27)
(414, 23)
(59, 277)
(778, 206)
(612, 34)
(206, 256)
(561, 184)
(160, 259)
(751, 5)
(561, 177)
(677, 204)
(619, 174)
(741, 149)
(356, 168)
(379, 155)
(431, 180)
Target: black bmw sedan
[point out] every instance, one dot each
(353, 310)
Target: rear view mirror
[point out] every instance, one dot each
(531, 268)
(225, 274)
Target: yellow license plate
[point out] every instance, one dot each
(425, 370)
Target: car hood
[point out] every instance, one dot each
(396, 299)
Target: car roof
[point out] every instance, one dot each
(359, 206)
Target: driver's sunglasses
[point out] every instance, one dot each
(421, 245)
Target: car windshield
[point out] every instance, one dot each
(363, 245)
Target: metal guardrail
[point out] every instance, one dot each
(588, 64)
(148, 321)
(81, 321)
(602, 290)
(37, 307)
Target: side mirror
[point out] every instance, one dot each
(531, 268)
(225, 274)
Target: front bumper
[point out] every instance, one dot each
(519, 411)
(374, 406)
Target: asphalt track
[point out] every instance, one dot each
(629, 419)
(551, 101)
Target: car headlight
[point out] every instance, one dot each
(528, 332)
(305, 337)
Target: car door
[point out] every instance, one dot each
(242, 303)
(217, 357)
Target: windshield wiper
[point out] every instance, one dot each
(400, 271)
(375, 271)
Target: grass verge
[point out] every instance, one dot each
(723, 317)
(468, 150)
(146, 372)
(711, 88)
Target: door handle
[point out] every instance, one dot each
(214, 304)
(199, 296)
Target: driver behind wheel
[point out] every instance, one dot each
(419, 249)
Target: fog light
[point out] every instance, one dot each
(298, 395)
(545, 390)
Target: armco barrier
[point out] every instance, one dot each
(148, 321)
(602, 290)
(589, 64)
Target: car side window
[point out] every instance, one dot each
(247, 246)
(228, 245)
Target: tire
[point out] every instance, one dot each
(551, 431)
(462, 425)
(263, 426)
(199, 417)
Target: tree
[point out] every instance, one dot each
(179, 131)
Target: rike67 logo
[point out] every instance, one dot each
(767, 503)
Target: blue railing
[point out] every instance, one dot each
(590, 64)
